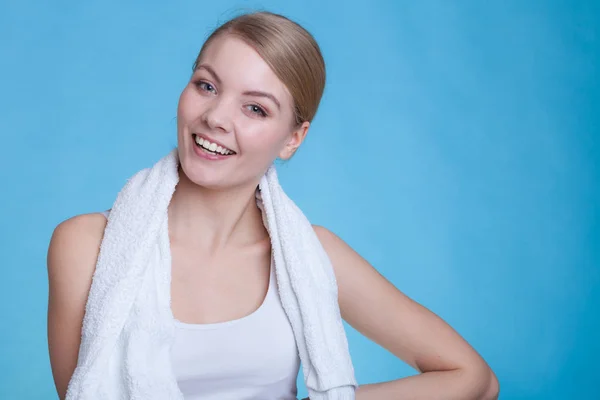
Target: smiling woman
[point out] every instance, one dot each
(260, 75)
(228, 284)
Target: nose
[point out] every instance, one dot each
(218, 116)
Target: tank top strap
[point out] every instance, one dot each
(272, 287)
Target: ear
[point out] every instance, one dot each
(295, 140)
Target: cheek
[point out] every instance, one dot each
(263, 140)
(186, 104)
(191, 105)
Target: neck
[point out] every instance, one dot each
(211, 220)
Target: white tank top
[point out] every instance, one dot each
(253, 357)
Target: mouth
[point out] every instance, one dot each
(211, 147)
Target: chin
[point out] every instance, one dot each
(200, 175)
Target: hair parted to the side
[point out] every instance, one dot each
(290, 50)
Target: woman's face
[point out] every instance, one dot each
(237, 107)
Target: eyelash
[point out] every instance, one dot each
(260, 111)
(200, 83)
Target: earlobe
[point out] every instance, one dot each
(296, 139)
(287, 152)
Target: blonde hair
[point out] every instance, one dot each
(289, 49)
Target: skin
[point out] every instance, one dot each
(221, 250)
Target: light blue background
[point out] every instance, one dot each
(456, 149)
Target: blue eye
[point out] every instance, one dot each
(206, 86)
(257, 110)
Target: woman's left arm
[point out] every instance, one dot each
(450, 368)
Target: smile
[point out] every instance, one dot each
(211, 147)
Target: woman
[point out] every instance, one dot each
(255, 89)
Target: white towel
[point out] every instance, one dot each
(128, 326)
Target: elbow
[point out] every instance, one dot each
(486, 383)
(479, 383)
(493, 387)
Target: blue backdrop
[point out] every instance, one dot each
(456, 149)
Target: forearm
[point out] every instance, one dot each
(446, 385)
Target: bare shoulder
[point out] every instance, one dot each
(354, 274)
(76, 241)
(337, 250)
(343, 257)
(91, 224)
(71, 262)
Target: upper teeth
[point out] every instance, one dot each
(212, 146)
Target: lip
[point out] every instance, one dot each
(213, 141)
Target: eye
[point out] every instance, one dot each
(255, 109)
(205, 86)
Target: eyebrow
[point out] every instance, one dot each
(256, 93)
(210, 71)
(263, 94)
